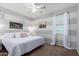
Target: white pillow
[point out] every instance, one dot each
(17, 35)
(8, 35)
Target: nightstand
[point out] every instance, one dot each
(0, 44)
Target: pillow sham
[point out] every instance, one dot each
(8, 35)
(23, 35)
(17, 35)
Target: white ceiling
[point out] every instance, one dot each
(24, 8)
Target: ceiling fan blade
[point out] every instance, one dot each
(33, 5)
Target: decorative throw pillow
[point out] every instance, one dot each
(23, 35)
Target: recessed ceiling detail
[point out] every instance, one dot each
(33, 10)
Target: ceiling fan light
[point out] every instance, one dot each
(34, 10)
(33, 5)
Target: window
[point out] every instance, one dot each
(60, 23)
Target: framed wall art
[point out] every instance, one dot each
(43, 24)
(14, 25)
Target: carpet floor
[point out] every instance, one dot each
(47, 50)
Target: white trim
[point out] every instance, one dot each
(77, 50)
(53, 40)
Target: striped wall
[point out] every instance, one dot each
(6, 17)
(47, 32)
(77, 42)
(73, 28)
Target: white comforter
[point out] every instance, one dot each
(19, 46)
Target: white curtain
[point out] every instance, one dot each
(66, 36)
(53, 41)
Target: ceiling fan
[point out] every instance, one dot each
(37, 7)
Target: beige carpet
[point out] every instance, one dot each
(47, 50)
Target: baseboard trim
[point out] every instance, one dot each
(47, 42)
(77, 51)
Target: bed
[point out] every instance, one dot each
(20, 46)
